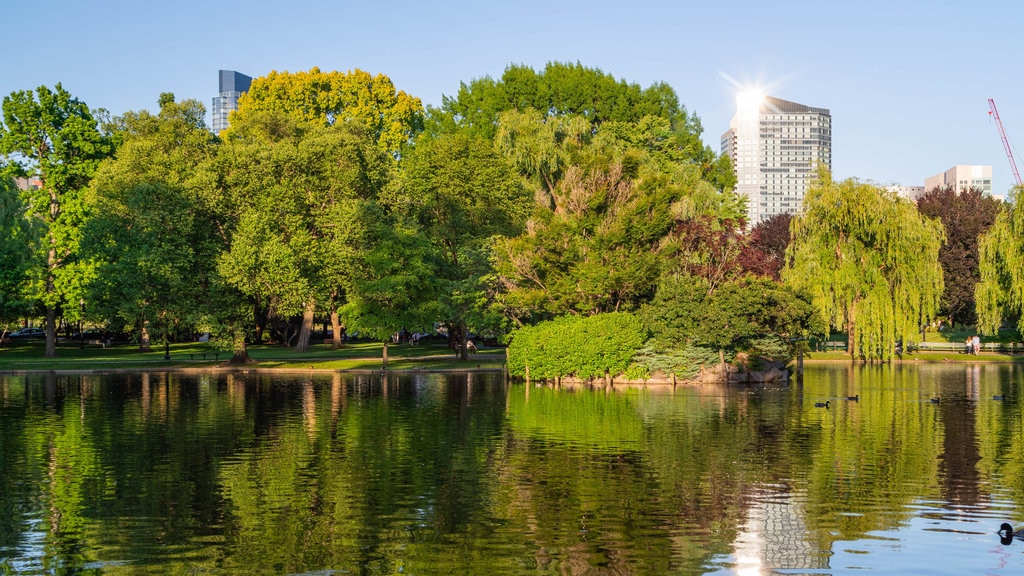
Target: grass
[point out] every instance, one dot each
(354, 356)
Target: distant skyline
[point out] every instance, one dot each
(906, 82)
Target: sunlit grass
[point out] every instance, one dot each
(352, 356)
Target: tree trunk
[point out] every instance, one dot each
(51, 331)
(336, 330)
(307, 327)
(463, 333)
(144, 337)
(241, 353)
(384, 363)
(51, 265)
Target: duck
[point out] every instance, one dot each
(854, 398)
(935, 400)
(1006, 534)
(999, 397)
(824, 404)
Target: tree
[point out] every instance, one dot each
(53, 135)
(392, 117)
(606, 201)
(765, 254)
(869, 260)
(460, 194)
(148, 231)
(564, 90)
(999, 295)
(17, 238)
(303, 198)
(966, 215)
(747, 314)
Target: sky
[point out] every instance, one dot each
(907, 82)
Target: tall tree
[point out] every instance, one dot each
(967, 215)
(149, 232)
(606, 200)
(53, 135)
(869, 260)
(17, 238)
(461, 194)
(587, 94)
(999, 295)
(326, 98)
(304, 197)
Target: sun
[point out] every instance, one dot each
(748, 101)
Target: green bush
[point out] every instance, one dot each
(584, 347)
(685, 362)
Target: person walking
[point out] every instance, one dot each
(976, 343)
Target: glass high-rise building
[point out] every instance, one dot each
(776, 146)
(232, 85)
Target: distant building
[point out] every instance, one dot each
(776, 146)
(30, 183)
(232, 85)
(908, 192)
(962, 177)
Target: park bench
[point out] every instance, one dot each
(203, 355)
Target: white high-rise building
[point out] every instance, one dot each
(232, 85)
(776, 146)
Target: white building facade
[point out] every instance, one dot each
(962, 177)
(776, 147)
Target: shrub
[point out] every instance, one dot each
(584, 347)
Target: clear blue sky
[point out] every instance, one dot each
(907, 82)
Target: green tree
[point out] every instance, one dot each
(999, 295)
(461, 194)
(326, 98)
(750, 315)
(606, 200)
(304, 198)
(149, 233)
(53, 135)
(869, 260)
(16, 246)
(564, 90)
(966, 215)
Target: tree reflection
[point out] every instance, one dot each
(435, 474)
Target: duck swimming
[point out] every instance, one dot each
(1006, 534)
(824, 404)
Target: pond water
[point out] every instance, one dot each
(246, 473)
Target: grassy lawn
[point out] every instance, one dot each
(354, 356)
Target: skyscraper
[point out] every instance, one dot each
(232, 85)
(776, 146)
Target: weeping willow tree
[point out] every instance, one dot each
(870, 261)
(1000, 293)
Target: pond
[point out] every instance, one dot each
(908, 469)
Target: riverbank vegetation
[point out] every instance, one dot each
(577, 217)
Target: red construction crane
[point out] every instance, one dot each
(1006, 143)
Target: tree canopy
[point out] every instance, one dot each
(870, 262)
(999, 295)
(966, 216)
(53, 135)
(392, 116)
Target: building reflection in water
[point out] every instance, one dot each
(774, 536)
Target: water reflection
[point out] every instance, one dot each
(430, 474)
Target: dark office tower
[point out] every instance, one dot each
(232, 85)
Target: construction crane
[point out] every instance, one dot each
(1006, 143)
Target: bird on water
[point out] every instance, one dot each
(1006, 534)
